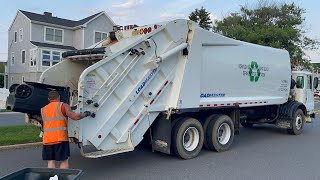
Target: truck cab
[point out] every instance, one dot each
(303, 90)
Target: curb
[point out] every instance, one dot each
(20, 146)
(10, 113)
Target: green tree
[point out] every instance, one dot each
(278, 25)
(202, 17)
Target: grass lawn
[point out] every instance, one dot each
(19, 134)
(5, 110)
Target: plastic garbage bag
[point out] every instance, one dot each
(55, 177)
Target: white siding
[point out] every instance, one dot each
(20, 22)
(38, 33)
(102, 24)
(78, 39)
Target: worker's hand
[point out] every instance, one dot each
(87, 113)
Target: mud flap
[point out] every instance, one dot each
(235, 116)
(308, 119)
(284, 123)
(161, 134)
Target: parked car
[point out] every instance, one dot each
(316, 93)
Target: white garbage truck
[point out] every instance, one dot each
(178, 85)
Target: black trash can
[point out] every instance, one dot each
(30, 97)
(44, 174)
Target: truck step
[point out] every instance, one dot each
(97, 154)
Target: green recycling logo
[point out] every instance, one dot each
(254, 77)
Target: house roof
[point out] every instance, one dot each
(57, 21)
(40, 44)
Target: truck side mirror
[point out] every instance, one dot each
(315, 82)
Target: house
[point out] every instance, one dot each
(3, 66)
(36, 41)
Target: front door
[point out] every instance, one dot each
(300, 89)
(304, 90)
(309, 94)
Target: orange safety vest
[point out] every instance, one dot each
(55, 124)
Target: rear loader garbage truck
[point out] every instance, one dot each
(183, 87)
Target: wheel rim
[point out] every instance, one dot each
(224, 133)
(299, 121)
(191, 138)
(23, 91)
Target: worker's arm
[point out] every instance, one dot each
(73, 115)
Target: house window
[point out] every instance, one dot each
(55, 57)
(99, 36)
(46, 58)
(12, 58)
(21, 35)
(23, 56)
(54, 35)
(50, 58)
(33, 57)
(15, 36)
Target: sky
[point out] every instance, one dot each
(142, 12)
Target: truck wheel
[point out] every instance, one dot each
(297, 123)
(205, 127)
(187, 138)
(220, 133)
(247, 125)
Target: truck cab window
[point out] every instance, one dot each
(309, 83)
(300, 82)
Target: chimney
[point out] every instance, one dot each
(49, 14)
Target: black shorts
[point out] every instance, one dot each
(58, 152)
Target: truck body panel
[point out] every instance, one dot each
(225, 73)
(215, 72)
(163, 68)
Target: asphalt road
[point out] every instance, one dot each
(263, 152)
(11, 119)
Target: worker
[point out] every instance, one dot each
(55, 132)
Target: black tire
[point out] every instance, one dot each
(205, 126)
(212, 134)
(187, 125)
(247, 125)
(13, 87)
(23, 91)
(297, 123)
